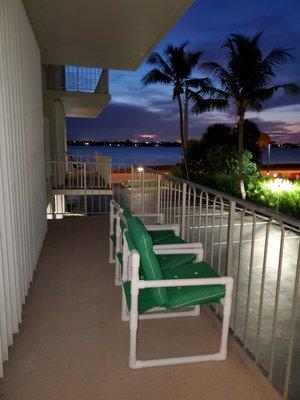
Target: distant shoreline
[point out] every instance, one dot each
(126, 143)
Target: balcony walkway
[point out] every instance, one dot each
(72, 344)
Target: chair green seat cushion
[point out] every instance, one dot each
(172, 240)
(184, 296)
(113, 239)
(171, 261)
(160, 236)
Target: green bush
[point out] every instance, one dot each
(285, 202)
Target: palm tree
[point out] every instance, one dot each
(246, 82)
(175, 69)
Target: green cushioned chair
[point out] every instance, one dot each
(119, 217)
(183, 285)
(158, 236)
(159, 233)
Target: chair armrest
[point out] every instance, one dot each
(180, 246)
(165, 250)
(172, 227)
(222, 280)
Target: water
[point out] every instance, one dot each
(280, 156)
(169, 155)
(133, 155)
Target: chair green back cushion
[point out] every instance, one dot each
(150, 266)
(127, 214)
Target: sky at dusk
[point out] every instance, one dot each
(139, 112)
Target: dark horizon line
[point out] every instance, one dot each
(124, 143)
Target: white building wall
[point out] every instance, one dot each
(22, 166)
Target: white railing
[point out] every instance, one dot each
(79, 187)
(259, 248)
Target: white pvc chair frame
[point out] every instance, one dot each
(159, 312)
(137, 284)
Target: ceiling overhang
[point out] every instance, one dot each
(80, 104)
(114, 34)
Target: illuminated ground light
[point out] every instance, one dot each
(280, 185)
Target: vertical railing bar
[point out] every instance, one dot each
(237, 280)
(212, 231)
(194, 213)
(262, 288)
(188, 213)
(220, 236)
(295, 307)
(85, 195)
(230, 236)
(253, 236)
(206, 224)
(183, 212)
(275, 314)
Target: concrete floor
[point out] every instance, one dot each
(73, 345)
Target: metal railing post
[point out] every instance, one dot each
(295, 310)
(230, 236)
(143, 191)
(183, 210)
(85, 195)
(132, 188)
(158, 192)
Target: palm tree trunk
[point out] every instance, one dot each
(186, 116)
(182, 137)
(241, 117)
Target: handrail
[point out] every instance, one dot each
(294, 222)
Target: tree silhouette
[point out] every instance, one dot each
(176, 69)
(246, 82)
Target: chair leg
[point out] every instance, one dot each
(124, 313)
(196, 311)
(134, 320)
(118, 281)
(226, 321)
(111, 252)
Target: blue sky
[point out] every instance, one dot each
(136, 111)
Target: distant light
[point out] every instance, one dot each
(118, 145)
(275, 175)
(280, 185)
(140, 169)
(135, 145)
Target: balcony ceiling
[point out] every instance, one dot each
(80, 104)
(113, 34)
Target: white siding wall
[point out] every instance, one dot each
(22, 166)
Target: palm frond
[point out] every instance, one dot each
(156, 59)
(198, 82)
(201, 105)
(156, 76)
(291, 88)
(277, 56)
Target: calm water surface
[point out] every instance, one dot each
(168, 155)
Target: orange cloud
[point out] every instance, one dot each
(147, 136)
